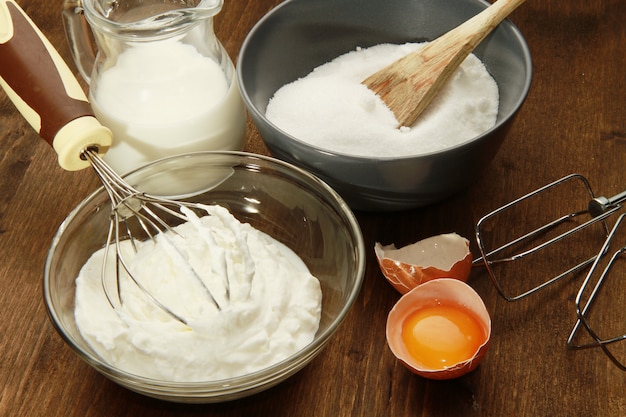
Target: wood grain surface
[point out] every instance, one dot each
(574, 120)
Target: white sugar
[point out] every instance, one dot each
(331, 109)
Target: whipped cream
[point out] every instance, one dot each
(248, 301)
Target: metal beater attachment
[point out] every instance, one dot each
(136, 216)
(601, 299)
(535, 229)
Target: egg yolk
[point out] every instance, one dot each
(442, 335)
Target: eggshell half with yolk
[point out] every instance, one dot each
(443, 345)
(442, 256)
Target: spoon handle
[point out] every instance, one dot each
(473, 31)
(409, 84)
(444, 55)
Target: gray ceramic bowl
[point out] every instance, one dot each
(299, 35)
(277, 198)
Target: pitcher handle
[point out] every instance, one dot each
(79, 37)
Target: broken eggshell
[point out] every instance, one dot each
(444, 291)
(442, 256)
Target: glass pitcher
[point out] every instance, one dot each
(158, 77)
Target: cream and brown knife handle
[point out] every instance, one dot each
(45, 91)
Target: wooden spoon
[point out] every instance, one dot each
(409, 84)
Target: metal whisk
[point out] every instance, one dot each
(583, 218)
(608, 268)
(133, 211)
(582, 229)
(50, 98)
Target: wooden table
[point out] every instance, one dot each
(574, 120)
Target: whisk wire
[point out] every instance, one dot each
(529, 244)
(584, 306)
(590, 301)
(487, 257)
(130, 204)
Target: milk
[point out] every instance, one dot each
(165, 98)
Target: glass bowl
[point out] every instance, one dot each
(277, 198)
